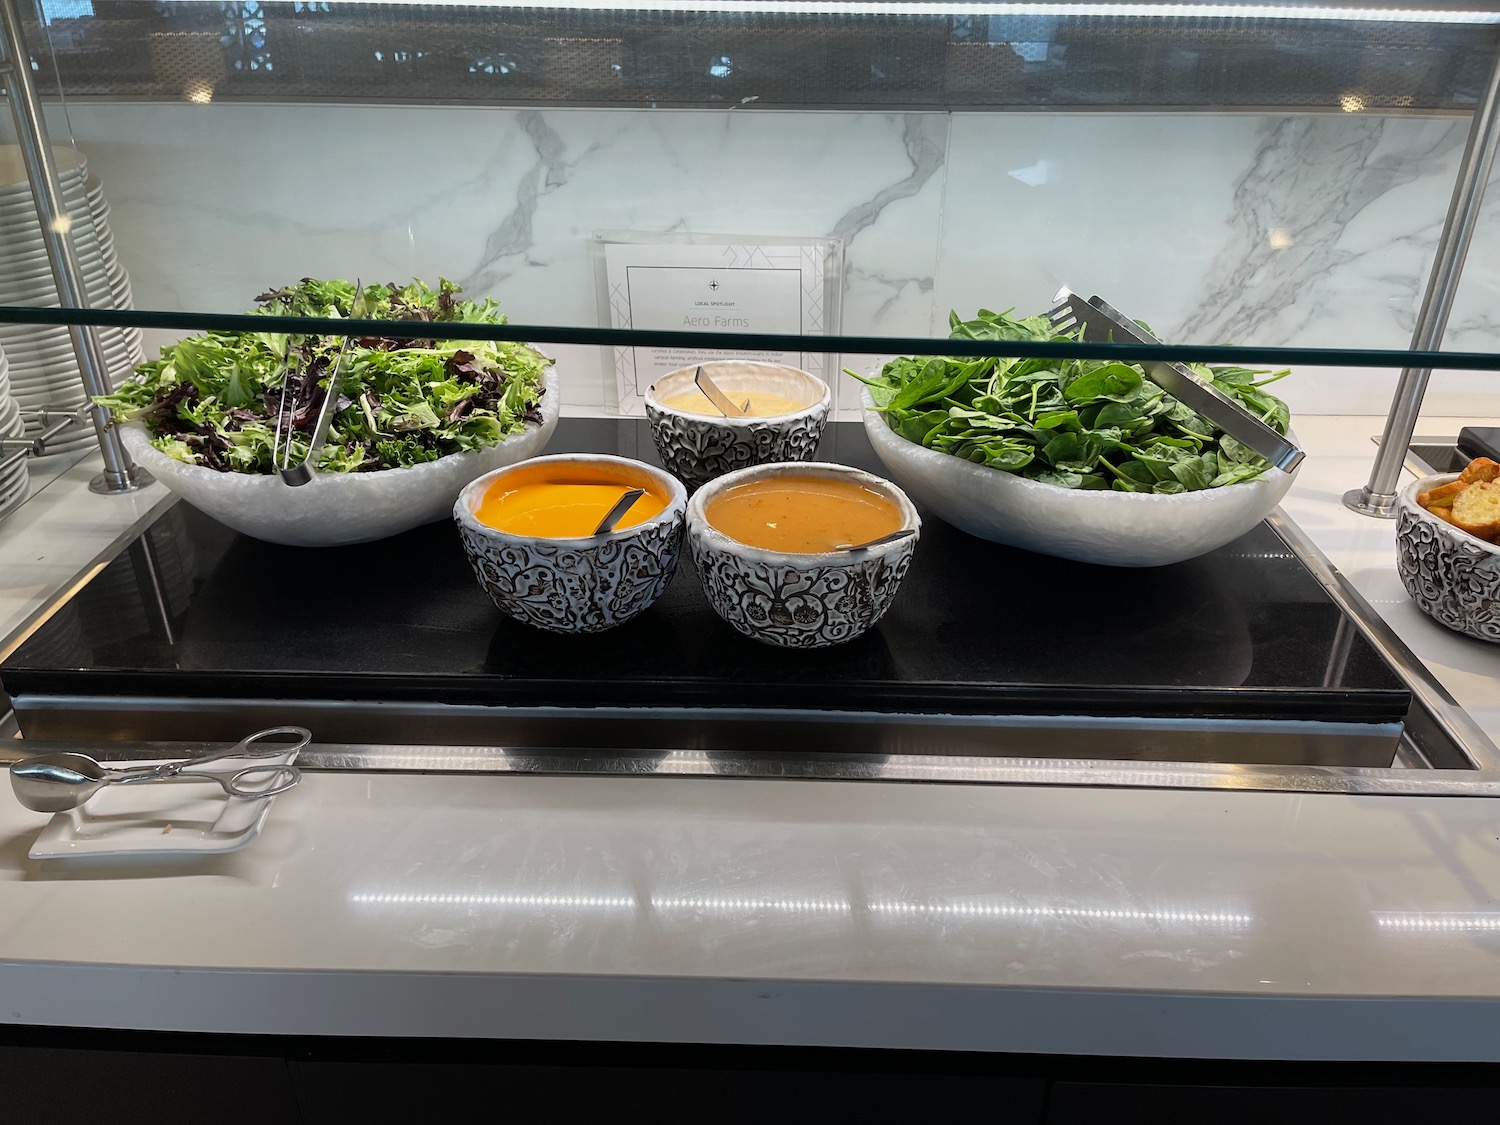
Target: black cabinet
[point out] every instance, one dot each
(373, 1093)
(1093, 1103)
(51, 1076)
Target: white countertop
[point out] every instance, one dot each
(1068, 920)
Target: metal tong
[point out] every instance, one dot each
(1102, 323)
(65, 780)
(281, 450)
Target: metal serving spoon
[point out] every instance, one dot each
(892, 537)
(617, 513)
(722, 402)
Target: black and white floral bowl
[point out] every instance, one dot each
(698, 448)
(1454, 577)
(799, 600)
(583, 585)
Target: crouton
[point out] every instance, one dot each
(1442, 496)
(1477, 510)
(1481, 469)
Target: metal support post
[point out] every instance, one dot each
(120, 474)
(1378, 496)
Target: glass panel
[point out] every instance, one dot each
(1266, 176)
(826, 182)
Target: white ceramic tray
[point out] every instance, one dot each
(173, 818)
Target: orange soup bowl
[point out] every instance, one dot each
(789, 410)
(527, 530)
(784, 581)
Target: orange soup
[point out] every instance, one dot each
(803, 515)
(565, 501)
(763, 404)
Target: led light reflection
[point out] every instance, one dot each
(581, 901)
(685, 761)
(747, 905)
(830, 906)
(1439, 923)
(1224, 918)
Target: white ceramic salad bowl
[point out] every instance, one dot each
(1112, 528)
(341, 508)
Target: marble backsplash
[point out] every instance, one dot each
(1232, 228)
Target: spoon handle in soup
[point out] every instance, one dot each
(722, 402)
(891, 537)
(617, 513)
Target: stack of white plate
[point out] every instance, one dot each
(14, 481)
(43, 369)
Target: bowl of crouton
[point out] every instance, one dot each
(1448, 548)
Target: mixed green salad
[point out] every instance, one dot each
(1091, 424)
(213, 399)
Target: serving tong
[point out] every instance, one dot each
(281, 454)
(65, 780)
(1101, 323)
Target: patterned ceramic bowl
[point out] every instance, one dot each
(799, 601)
(698, 448)
(1454, 577)
(576, 585)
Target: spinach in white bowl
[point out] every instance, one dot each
(1084, 460)
(1079, 424)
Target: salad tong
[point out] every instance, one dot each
(1101, 323)
(64, 780)
(302, 472)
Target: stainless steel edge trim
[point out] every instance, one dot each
(1435, 699)
(108, 722)
(1413, 462)
(971, 770)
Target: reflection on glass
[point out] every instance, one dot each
(898, 53)
(572, 902)
(731, 904)
(1171, 917)
(1428, 923)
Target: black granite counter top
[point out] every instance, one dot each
(1245, 632)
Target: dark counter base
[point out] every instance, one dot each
(1245, 632)
(62, 1077)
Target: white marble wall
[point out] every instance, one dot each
(1222, 228)
(1316, 231)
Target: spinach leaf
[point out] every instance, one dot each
(1082, 424)
(1108, 379)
